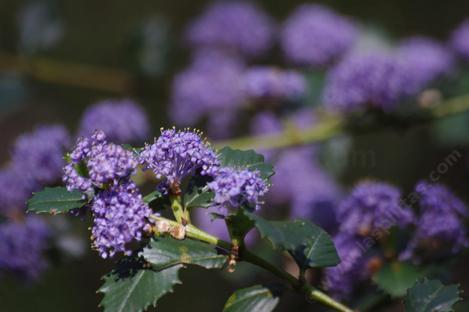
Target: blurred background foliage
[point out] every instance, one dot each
(140, 43)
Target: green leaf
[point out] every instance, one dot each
(396, 278)
(198, 199)
(152, 196)
(246, 160)
(166, 252)
(310, 245)
(137, 292)
(256, 298)
(55, 200)
(431, 296)
(239, 224)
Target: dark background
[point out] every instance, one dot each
(98, 33)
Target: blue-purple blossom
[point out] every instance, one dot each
(234, 188)
(238, 26)
(15, 188)
(22, 244)
(373, 79)
(95, 162)
(373, 206)
(440, 224)
(272, 83)
(213, 83)
(460, 40)
(342, 279)
(123, 121)
(424, 60)
(120, 217)
(221, 125)
(176, 155)
(316, 36)
(39, 154)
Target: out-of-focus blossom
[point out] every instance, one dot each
(342, 279)
(15, 188)
(424, 60)
(233, 25)
(22, 244)
(373, 206)
(213, 83)
(440, 225)
(120, 217)
(460, 40)
(373, 79)
(39, 154)
(221, 125)
(316, 36)
(123, 121)
(274, 84)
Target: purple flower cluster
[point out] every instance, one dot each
(424, 60)
(40, 153)
(460, 40)
(360, 80)
(212, 84)
(21, 246)
(120, 217)
(234, 188)
(123, 121)
(341, 280)
(440, 223)
(316, 36)
(272, 83)
(176, 155)
(15, 187)
(236, 26)
(371, 207)
(95, 162)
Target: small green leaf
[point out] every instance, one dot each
(55, 200)
(256, 298)
(152, 196)
(136, 292)
(198, 199)
(238, 225)
(310, 245)
(166, 252)
(396, 278)
(135, 150)
(246, 160)
(431, 296)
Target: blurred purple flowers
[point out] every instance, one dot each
(460, 40)
(314, 35)
(235, 26)
(372, 207)
(123, 121)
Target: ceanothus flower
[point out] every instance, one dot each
(460, 40)
(342, 279)
(372, 79)
(234, 188)
(176, 155)
(239, 26)
(440, 224)
(95, 162)
(15, 188)
(372, 206)
(22, 244)
(316, 36)
(213, 83)
(123, 121)
(120, 217)
(263, 82)
(424, 60)
(39, 154)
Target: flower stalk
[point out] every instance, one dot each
(310, 292)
